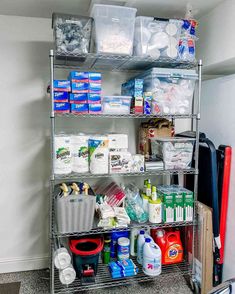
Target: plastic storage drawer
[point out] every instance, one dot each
(172, 90)
(157, 38)
(72, 33)
(176, 152)
(114, 28)
(75, 213)
(116, 104)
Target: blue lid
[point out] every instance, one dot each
(147, 240)
(142, 232)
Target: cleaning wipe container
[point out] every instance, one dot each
(86, 254)
(62, 156)
(123, 249)
(114, 28)
(176, 152)
(72, 33)
(79, 147)
(98, 154)
(157, 38)
(172, 90)
(75, 213)
(116, 104)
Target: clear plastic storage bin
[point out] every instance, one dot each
(157, 38)
(75, 213)
(176, 153)
(116, 104)
(114, 28)
(172, 90)
(72, 33)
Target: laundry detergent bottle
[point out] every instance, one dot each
(170, 245)
(152, 264)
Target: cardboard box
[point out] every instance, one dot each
(61, 97)
(79, 108)
(95, 108)
(178, 207)
(154, 128)
(85, 77)
(62, 85)
(188, 205)
(94, 98)
(118, 141)
(61, 107)
(120, 162)
(79, 98)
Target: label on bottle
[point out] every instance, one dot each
(155, 213)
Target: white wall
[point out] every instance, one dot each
(216, 39)
(218, 122)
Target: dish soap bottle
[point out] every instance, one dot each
(155, 207)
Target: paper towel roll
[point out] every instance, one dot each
(67, 275)
(79, 148)
(62, 258)
(98, 154)
(62, 156)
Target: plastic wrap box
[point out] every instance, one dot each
(172, 90)
(114, 28)
(72, 33)
(176, 152)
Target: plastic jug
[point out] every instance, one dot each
(170, 245)
(140, 244)
(151, 258)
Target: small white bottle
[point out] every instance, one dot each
(155, 208)
(140, 244)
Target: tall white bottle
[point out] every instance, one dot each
(155, 208)
(140, 244)
(152, 258)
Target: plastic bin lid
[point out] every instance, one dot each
(173, 139)
(117, 97)
(64, 15)
(171, 72)
(95, 6)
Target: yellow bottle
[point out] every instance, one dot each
(155, 207)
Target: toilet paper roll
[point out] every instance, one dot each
(62, 156)
(172, 52)
(67, 275)
(79, 149)
(160, 40)
(62, 258)
(98, 154)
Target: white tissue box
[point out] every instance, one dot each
(120, 162)
(137, 165)
(118, 141)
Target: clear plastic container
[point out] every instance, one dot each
(172, 90)
(72, 33)
(114, 28)
(116, 104)
(176, 152)
(157, 38)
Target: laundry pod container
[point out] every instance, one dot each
(86, 255)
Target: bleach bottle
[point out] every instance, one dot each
(152, 256)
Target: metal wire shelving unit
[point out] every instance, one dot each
(119, 63)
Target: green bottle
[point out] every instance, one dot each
(106, 251)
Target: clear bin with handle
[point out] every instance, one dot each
(114, 28)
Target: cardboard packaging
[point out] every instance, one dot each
(61, 97)
(118, 141)
(79, 108)
(188, 205)
(154, 128)
(95, 108)
(85, 77)
(62, 85)
(94, 98)
(120, 162)
(61, 107)
(79, 98)
(178, 207)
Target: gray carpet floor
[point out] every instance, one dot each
(37, 282)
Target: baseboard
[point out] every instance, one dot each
(23, 264)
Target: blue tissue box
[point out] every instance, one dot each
(79, 108)
(61, 107)
(78, 98)
(62, 85)
(61, 97)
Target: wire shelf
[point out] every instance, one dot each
(146, 225)
(103, 115)
(103, 278)
(74, 176)
(115, 62)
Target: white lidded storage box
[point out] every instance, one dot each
(114, 28)
(75, 213)
(116, 104)
(176, 152)
(157, 37)
(172, 90)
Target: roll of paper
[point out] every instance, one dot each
(98, 154)
(62, 258)
(62, 156)
(67, 275)
(79, 147)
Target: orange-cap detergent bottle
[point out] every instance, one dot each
(170, 245)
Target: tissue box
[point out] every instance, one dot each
(79, 98)
(138, 163)
(61, 97)
(61, 85)
(94, 98)
(118, 141)
(61, 107)
(120, 162)
(79, 108)
(95, 108)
